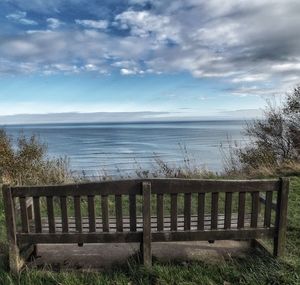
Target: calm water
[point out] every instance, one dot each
(99, 148)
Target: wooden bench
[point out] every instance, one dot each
(145, 211)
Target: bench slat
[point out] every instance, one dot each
(37, 214)
(214, 210)
(268, 209)
(132, 212)
(24, 215)
(64, 214)
(187, 211)
(50, 212)
(241, 209)
(228, 209)
(159, 186)
(160, 212)
(201, 210)
(77, 212)
(105, 215)
(91, 211)
(254, 209)
(119, 212)
(174, 212)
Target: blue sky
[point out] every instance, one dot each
(175, 59)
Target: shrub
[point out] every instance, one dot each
(25, 161)
(274, 141)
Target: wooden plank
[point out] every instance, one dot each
(37, 214)
(201, 211)
(119, 212)
(77, 212)
(24, 215)
(160, 186)
(214, 210)
(92, 216)
(268, 209)
(187, 211)
(254, 209)
(281, 218)
(242, 234)
(50, 213)
(241, 210)
(105, 215)
(174, 212)
(15, 262)
(81, 238)
(160, 211)
(263, 200)
(147, 237)
(64, 214)
(228, 210)
(220, 234)
(132, 212)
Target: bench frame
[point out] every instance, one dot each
(22, 243)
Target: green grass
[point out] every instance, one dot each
(255, 268)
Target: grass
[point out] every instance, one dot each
(256, 268)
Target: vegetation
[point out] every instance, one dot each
(274, 142)
(25, 162)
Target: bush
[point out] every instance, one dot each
(274, 141)
(25, 161)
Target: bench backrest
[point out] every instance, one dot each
(167, 209)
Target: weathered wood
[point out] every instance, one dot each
(160, 186)
(119, 212)
(201, 210)
(174, 212)
(50, 213)
(186, 227)
(24, 215)
(167, 224)
(105, 214)
(64, 214)
(160, 211)
(132, 212)
(147, 237)
(187, 211)
(263, 201)
(220, 234)
(37, 215)
(15, 261)
(214, 210)
(254, 209)
(268, 209)
(228, 210)
(77, 212)
(281, 218)
(80, 238)
(92, 216)
(241, 210)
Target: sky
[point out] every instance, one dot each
(145, 60)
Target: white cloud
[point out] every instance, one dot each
(100, 24)
(144, 23)
(21, 17)
(54, 23)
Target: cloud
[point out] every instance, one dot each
(100, 24)
(21, 17)
(144, 23)
(54, 23)
(248, 45)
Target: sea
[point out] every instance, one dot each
(121, 149)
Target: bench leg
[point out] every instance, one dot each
(15, 260)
